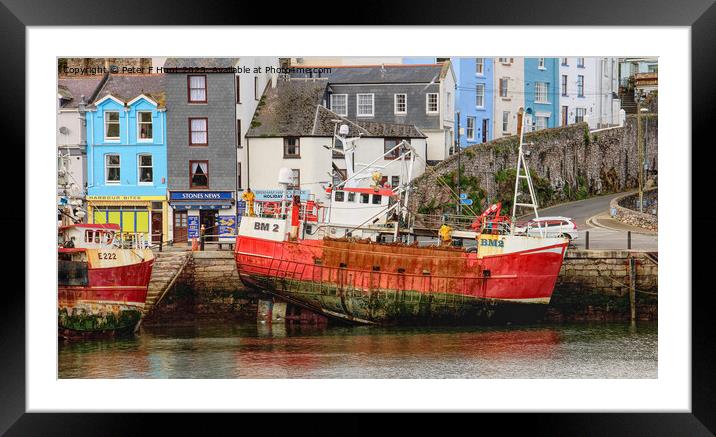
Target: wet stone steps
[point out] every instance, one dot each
(167, 267)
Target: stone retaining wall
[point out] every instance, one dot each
(625, 208)
(592, 285)
(566, 163)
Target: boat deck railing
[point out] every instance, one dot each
(434, 221)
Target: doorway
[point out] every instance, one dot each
(565, 115)
(180, 226)
(207, 217)
(485, 123)
(157, 227)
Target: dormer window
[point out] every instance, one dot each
(111, 125)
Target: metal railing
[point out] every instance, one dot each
(434, 221)
(273, 209)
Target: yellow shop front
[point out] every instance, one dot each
(134, 214)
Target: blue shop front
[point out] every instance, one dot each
(216, 210)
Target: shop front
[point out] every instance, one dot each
(216, 210)
(145, 215)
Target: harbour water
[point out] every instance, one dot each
(251, 350)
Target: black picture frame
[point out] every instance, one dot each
(700, 16)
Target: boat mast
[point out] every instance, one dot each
(520, 163)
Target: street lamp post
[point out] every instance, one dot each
(457, 148)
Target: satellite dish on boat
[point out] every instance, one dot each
(285, 176)
(343, 130)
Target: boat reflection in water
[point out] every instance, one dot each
(251, 350)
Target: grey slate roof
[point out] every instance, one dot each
(206, 65)
(72, 89)
(381, 74)
(287, 110)
(128, 86)
(294, 108)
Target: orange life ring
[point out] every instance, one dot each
(271, 208)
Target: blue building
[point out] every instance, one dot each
(473, 96)
(127, 156)
(542, 92)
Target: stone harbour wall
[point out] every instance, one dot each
(594, 285)
(627, 210)
(208, 288)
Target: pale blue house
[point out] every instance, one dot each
(541, 90)
(127, 155)
(473, 96)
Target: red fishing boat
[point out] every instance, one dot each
(102, 280)
(337, 262)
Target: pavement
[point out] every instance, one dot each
(592, 215)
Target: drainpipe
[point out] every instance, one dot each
(91, 158)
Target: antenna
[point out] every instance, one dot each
(520, 163)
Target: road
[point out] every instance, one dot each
(580, 211)
(592, 215)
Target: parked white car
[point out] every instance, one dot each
(551, 227)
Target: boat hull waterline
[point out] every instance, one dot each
(367, 282)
